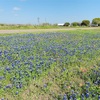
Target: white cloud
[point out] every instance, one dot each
(16, 8)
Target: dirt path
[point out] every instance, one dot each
(32, 30)
(42, 30)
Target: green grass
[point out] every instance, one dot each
(66, 73)
(10, 27)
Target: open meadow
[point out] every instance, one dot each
(50, 65)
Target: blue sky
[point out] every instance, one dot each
(51, 11)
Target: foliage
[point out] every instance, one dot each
(85, 23)
(27, 26)
(96, 21)
(75, 24)
(67, 24)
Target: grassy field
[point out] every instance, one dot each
(24, 27)
(54, 65)
(11, 31)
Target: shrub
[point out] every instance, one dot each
(67, 24)
(96, 21)
(75, 24)
(85, 23)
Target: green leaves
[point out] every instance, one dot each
(96, 21)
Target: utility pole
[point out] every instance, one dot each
(45, 20)
(38, 20)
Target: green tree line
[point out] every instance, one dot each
(95, 22)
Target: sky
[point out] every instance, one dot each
(48, 11)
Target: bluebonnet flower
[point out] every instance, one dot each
(9, 58)
(82, 96)
(88, 84)
(74, 98)
(71, 97)
(8, 86)
(65, 97)
(45, 85)
(17, 93)
(0, 53)
(87, 94)
(7, 68)
(99, 97)
(5, 52)
(2, 99)
(1, 77)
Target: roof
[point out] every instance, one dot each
(61, 24)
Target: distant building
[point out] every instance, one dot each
(94, 25)
(61, 24)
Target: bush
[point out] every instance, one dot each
(85, 23)
(96, 21)
(67, 24)
(75, 24)
(99, 24)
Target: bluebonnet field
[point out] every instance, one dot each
(50, 66)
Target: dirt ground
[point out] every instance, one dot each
(42, 30)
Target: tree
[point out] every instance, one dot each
(67, 24)
(75, 24)
(96, 21)
(85, 23)
(99, 24)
